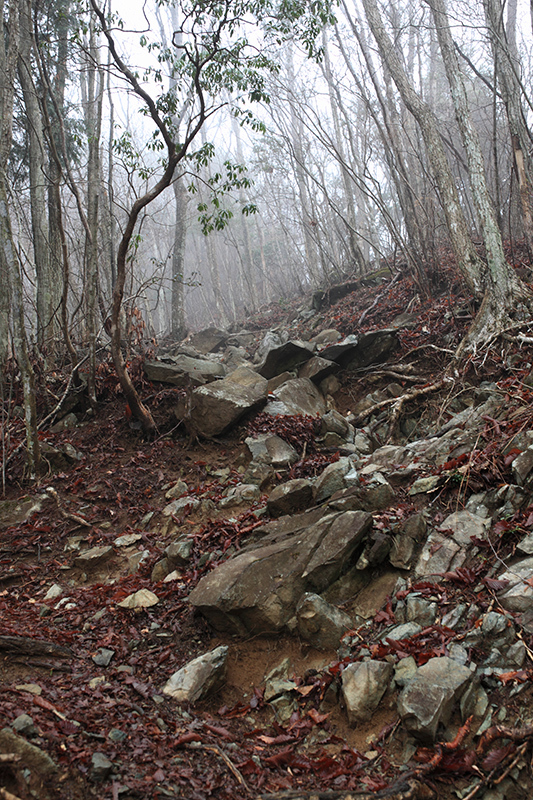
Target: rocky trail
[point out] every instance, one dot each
(315, 582)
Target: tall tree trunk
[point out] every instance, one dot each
(507, 63)
(9, 261)
(503, 287)
(469, 262)
(178, 260)
(354, 249)
(92, 93)
(47, 319)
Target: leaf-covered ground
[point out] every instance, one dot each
(231, 746)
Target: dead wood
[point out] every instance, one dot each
(23, 645)
(400, 790)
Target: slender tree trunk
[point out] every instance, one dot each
(503, 287)
(9, 261)
(356, 255)
(178, 260)
(468, 260)
(47, 321)
(508, 74)
(92, 92)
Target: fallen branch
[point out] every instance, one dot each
(23, 645)
(7, 795)
(400, 790)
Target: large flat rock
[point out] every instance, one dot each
(219, 405)
(257, 591)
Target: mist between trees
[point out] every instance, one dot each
(168, 166)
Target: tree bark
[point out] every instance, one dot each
(503, 288)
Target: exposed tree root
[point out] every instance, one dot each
(397, 403)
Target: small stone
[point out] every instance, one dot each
(54, 591)
(127, 539)
(424, 485)
(93, 558)
(144, 598)
(200, 677)
(94, 683)
(31, 688)
(178, 490)
(363, 686)
(103, 657)
(180, 506)
(24, 724)
(116, 735)
(101, 767)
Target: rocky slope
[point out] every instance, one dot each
(318, 578)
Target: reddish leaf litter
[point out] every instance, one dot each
(231, 747)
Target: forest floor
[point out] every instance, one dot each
(86, 713)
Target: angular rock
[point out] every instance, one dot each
(363, 686)
(320, 623)
(218, 406)
(518, 596)
(182, 504)
(260, 474)
(177, 490)
(209, 340)
(199, 678)
(93, 558)
(334, 422)
(327, 336)
(374, 495)
(317, 369)
(184, 371)
(331, 479)
(297, 396)
(422, 611)
(290, 497)
(285, 357)
(464, 525)
(239, 494)
(439, 554)
(270, 449)
(179, 552)
(144, 598)
(101, 767)
(429, 698)
(257, 590)
(355, 352)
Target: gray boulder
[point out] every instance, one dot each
(199, 678)
(355, 352)
(320, 623)
(518, 596)
(290, 497)
(218, 406)
(209, 340)
(257, 590)
(285, 357)
(183, 370)
(430, 696)
(270, 449)
(297, 396)
(317, 369)
(363, 686)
